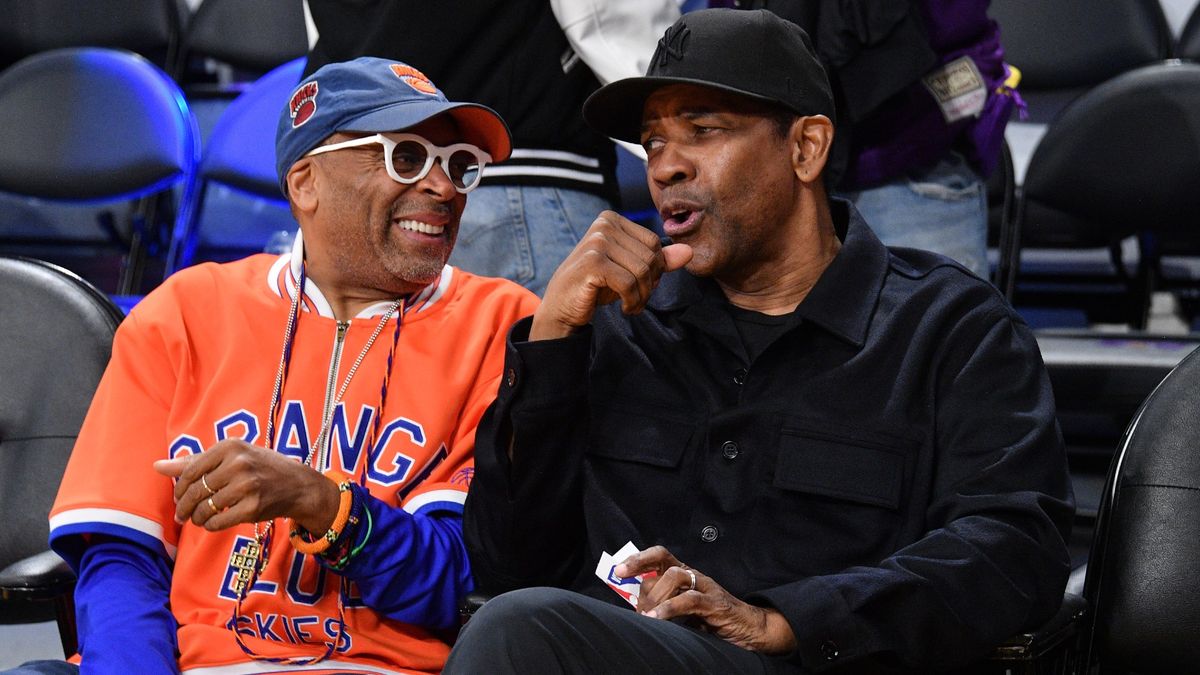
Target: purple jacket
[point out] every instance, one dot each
(909, 130)
(877, 54)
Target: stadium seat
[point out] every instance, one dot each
(102, 129)
(54, 345)
(238, 202)
(1120, 161)
(1065, 47)
(1099, 382)
(250, 37)
(151, 28)
(1141, 582)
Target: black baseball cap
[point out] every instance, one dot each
(749, 52)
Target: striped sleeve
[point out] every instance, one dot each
(110, 486)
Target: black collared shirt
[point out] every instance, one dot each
(888, 473)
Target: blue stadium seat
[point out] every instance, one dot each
(238, 202)
(94, 127)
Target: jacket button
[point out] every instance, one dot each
(739, 378)
(709, 534)
(510, 377)
(829, 650)
(729, 449)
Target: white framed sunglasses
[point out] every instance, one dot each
(409, 158)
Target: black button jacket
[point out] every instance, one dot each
(899, 487)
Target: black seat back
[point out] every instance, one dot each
(1064, 47)
(151, 28)
(250, 35)
(1142, 584)
(56, 334)
(1121, 160)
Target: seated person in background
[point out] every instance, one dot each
(316, 411)
(831, 454)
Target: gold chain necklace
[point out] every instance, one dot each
(252, 560)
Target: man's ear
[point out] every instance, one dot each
(302, 185)
(810, 138)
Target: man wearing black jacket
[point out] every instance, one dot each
(831, 454)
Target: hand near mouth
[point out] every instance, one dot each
(617, 259)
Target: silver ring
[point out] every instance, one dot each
(204, 482)
(692, 578)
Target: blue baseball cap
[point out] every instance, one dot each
(373, 95)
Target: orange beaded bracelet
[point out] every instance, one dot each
(346, 497)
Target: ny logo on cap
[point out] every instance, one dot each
(672, 44)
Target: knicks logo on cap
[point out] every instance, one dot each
(303, 103)
(415, 79)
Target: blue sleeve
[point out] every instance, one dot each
(122, 598)
(413, 567)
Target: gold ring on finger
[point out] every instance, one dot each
(204, 482)
(691, 576)
(213, 506)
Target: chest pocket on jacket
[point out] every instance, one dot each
(633, 458)
(834, 501)
(644, 435)
(850, 470)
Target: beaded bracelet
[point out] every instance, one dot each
(340, 562)
(346, 496)
(339, 552)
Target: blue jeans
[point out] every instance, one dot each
(943, 210)
(43, 668)
(522, 233)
